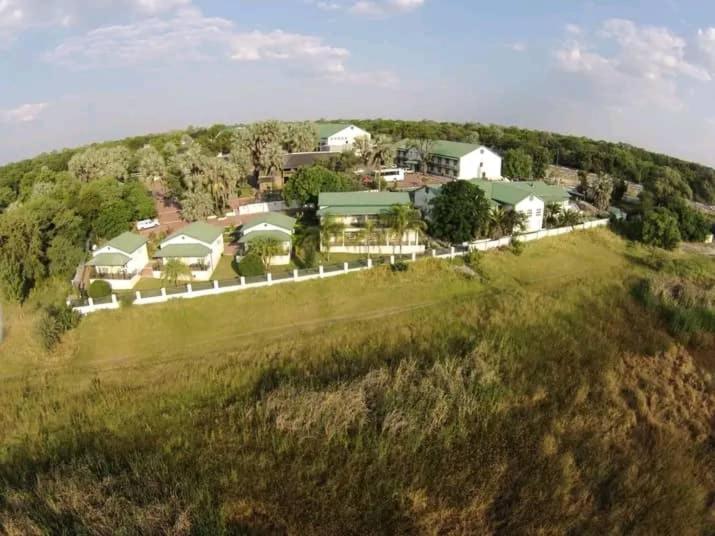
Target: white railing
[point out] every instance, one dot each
(323, 272)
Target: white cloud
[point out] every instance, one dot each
(706, 43)
(518, 46)
(631, 65)
(573, 29)
(187, 35)
(25, 113)
(370, 8)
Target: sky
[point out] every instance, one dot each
(78, 71)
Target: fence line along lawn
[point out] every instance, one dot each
(219, 323)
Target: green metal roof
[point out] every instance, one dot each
(271, 218)
(511, 193)
(354, 211)
(182, 251)
(127, 242)
(547, 192)
(272, 235)
(109, 259)
(325, 130)
(450, 149)
(362, 199)
(200, 231)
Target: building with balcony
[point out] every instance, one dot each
(353, 210)
(463, 161)
(269, 226)
(338, 137)
(528, 197)
(198, 245)
(120, 261)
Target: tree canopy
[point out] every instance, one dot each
(459, 213)
(307, 183)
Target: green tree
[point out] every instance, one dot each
(262, 142)
(64, 256)
(175, 270)
(403, 218)
(21, 254)
(151, 166)
(307, 183)
(266, 249)
(660, 228)
(300, 137)
(196, 206)
(97, 162)
(517, 164)
(459, 213)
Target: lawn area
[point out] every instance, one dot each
(538, 397)
(225, 269)
(216, 324)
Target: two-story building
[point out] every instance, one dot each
(353, 210)
(463, 161)
(338, 137)
(528, 197)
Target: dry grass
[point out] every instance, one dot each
(546, 401)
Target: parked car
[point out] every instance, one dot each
(147, 224)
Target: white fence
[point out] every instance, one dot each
(198, 290)
(260, 208)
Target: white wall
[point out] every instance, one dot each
(215, 255)
(343, 140)
(479, 164)
(533, 207)
(261, 208)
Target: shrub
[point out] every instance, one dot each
(473, 259)
(251, 266)
(400, 266)
(53, 322)
(99, 289)
(126, 299)
(517, 246)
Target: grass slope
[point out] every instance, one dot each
(544, 399)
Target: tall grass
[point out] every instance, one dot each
(531, 408)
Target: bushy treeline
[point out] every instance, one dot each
(620, 160)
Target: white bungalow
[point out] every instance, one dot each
(120, 261)
(198, 245)
(271, 226)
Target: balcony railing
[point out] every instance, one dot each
(118, 276)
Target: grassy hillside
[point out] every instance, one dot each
(540, 397)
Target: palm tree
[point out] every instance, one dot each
(498, 222)
(383, 151)
(569, 217)
(362, 147)
(369, 234)
(174, 270)
(330, 228)
(266, 249)
(552, 214)
(403, 218)
(515, 221)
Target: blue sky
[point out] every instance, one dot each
(77, 71)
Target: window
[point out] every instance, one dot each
(538, 212)
(529, 213)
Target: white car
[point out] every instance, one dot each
(147, 224)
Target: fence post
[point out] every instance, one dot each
(345, 267)
(295, 274)
(392, 259)
(114, 299)
(451, 252)
(215, 284)
(269, 278)
(163, 293)
(369, 263)
(139, 295)
(414, 256)
(243, 281)
(320, 270)
(189, 288)
(90, 301)
(434, 252)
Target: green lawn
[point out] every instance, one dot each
(225, 269)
